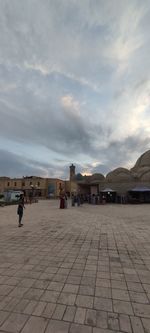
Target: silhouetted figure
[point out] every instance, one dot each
(30, 197)
(62, 201)
(66, 200)
(78, 200)
(20, 209)
(72, 200)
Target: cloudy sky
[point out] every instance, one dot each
(74, 85)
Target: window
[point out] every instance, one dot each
(30, 183)
(8, 184)
(38, 183)
(15, 184)
(23, 183)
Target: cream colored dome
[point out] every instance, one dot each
(119, 175)
(141, 170)
(143, 161)
(145, 176)
(97, 176)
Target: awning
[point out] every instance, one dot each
(140, 189)
(106, 190)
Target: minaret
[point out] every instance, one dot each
(72, 171)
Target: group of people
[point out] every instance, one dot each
(76, 199)
(96, 199)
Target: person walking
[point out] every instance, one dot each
(66, 200)
(20, 209)
(62, 200)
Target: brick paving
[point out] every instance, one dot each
(79, 270)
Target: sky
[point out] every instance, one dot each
(74, 85)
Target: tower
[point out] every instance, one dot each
(72, 171)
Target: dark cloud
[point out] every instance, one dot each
(66, 134)
(13, 165)
(16, 166)
(118, 154)
(121, 152)
(30, 114)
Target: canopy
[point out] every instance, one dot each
(140, 189)
(106, 190)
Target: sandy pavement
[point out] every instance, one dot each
(79, 270)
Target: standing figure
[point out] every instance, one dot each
(30, 197)
(103, 199)
(66, 200)
(72, 200)
(78, 200)
(20, 209)
(81, 199)
(62, 201)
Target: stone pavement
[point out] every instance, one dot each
(80, 270)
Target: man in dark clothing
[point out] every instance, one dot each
(20, 209)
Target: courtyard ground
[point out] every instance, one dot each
(79, 270)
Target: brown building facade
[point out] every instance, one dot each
(41, 187)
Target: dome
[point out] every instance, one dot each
(143, 161)
(140, 171)
(119, 175)
(145, 176)
(97, 176)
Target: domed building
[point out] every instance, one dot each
(120, 175)
(143, 161)
(97, 177)
(121, 180)
(141, 170)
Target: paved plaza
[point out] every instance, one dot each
(79, 270)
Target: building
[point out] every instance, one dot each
(38, 186)
(120, 180)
